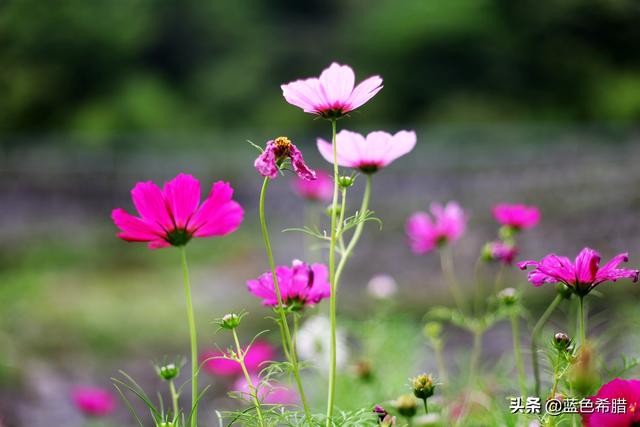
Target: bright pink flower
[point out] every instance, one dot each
(517, 216)
(500, 251)
(368, 154)
(628, 393)
(173, 215)
(321, 189)
(215, 363)
(447, 225)
(582, 275)
(278, 150)
(333, 94)
(301, 285)
(268, 393)
(93, 401)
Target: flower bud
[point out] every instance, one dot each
(388, 421)
(406, 405)
(363, 370)
(169, 371)
(561, 341)
(230, 321)
(423, 386)
(507, 232)
(432, 330)
(381, 412)
(329, 210)
(346, 181)
(508, 296)
(564, 291)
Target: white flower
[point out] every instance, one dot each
(382, 286)
(314, 343)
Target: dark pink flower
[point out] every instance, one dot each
(368, 154)
(173, 215)
(627, 394)
(319, 190)
(301, 285)
(501, 251)
(447, 225)
(333, 94)
(93, 401)
(517, 216)
(278, 150)
(215, 363)
(268, 393)
(582, 275)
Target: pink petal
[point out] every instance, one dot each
(337, 82)
(151, 205)
(364, 92)
(299, 166)
(135, 229)
(265, 164)
(586, 265)
(182, 195)
(218, 215)
(401, 143)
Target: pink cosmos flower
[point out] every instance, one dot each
(301, 285)
(333, 94)
(278, 150)
(620, 389)
(93, 401)
(582, 275)
(517, 216)
(447, 225)
(501, 251)
(173, 215)
(368, 154)
(268, 393)
(319, 190)
(259, 353)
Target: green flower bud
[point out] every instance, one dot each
(169, 371)
(432, 330)
(423, 386)
(561, 341)
(346, 181)
(508, 296)
(329, 210)
(406, 405)
(230, 321)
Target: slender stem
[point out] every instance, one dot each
(583, 333)
(446, 262)
(475, 354)
(442, 367)
(479, 288)
(174, 398)
(252, 389)
(517, 352)
(340, 225)
(534, 340)
(498, 281)
(556, 377)
(281, 310)
(332, 278)
(194, 338)
(426, 408)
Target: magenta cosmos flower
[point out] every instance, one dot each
(93, 401)
(368, 154)
(627, 410)
(582, 275)
(517, 216)
(321, 189)
(333, 94)
(426, 233)
(268, 393)
(277, 151)
(301, 285)
(259, 353)
(173, 215)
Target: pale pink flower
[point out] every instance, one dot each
(427, 233)
(301, 285)
(368, 154)
(332, 95)
(278, 150)
(582, 275)
(627, 393)
(321, 189)
(268, 393)
(501, 251)
(93, 401)
(173, 215)
(517, 216)
(259, 353)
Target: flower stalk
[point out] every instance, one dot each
(193, 336)
(517, 352)
(583, 333)
(252, 389)
(534, 340)
(332, 277)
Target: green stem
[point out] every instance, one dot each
(194, 338)
(174, 399)
(332, 277)
(534, 340)
(281, 310)
(252, 388)
(446, 262)
(517, 352)
(442, 367)
(475, 354)
(426, 408)
(583, 332)
(556, 377)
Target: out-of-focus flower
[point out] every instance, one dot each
(517, 216)
(500, 251)
(582, 275)
(277, 151)
(173, 215)
(508, 296)
(406, 405)
(382, 286)
(268, 393)
(333, 94)
(301, 285)
(368, 154)
(320, 189)
(314, 343)
(93, 401)
(447, 225)
(215, 363)
(423, 386)
(627, 394)
(363, 370)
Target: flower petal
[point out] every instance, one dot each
(218, 215)
(337, 82)
(265, 164)
(135, 229)
(299, 166)
(150, 203)
(182, 195)
(366, 90)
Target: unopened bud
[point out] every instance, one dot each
(230, 321)
(346, 181)
(169, 371)
(363, 370)
(329, 210)
(406, 405)
(423, 386)
(561, 341)
(508, 296)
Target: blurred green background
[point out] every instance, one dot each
(519, 101)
